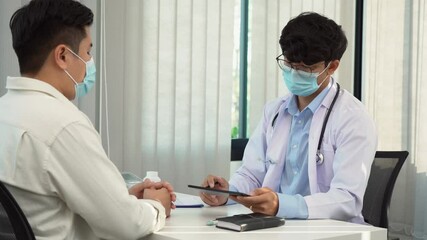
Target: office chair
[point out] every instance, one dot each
(238, 148)
(13, 223)
(384, 172)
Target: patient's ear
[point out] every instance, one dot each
(60, 56)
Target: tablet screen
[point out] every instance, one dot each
(214, 191)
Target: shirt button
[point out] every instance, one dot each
(299, 121)
(294, 146)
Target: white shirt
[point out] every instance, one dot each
(52, 161)
(337, 186)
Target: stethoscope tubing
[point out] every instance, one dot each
(319, 155)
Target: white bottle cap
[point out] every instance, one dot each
(153, 176)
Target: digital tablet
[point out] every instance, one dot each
(214, 191)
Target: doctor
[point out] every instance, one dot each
(311, 154)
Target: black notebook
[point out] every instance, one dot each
(247, 222)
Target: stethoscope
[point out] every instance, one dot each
(319, 156)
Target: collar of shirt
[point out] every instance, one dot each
(35, 85)
(292, 107)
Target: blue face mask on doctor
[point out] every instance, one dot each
(89, 81)
(301, 83)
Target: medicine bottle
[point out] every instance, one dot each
(153, 176)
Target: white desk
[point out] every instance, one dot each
(190, 223)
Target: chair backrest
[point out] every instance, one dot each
(13, 223)
(384, 172)
(238, 148)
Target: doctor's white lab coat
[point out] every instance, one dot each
(337, 185)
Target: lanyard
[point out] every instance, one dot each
(319, 155)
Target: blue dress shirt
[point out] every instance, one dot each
(294, 182)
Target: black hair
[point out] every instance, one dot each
(311, 38)
(41, 25)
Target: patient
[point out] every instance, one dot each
(51, 156)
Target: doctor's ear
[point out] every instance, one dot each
(333, 66)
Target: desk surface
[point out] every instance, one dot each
(190, 223)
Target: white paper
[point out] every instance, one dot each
(186, 200)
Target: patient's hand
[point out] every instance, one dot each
(162, 195)
(138, 190)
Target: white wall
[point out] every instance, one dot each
(8, 60)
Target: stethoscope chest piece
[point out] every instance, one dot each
(319, 158)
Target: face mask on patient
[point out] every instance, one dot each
(90, 78)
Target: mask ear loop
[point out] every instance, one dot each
(75, 54)
(322, 73)
(70, 76)
(81, 59)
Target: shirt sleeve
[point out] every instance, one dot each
(79, 172)
(292, 206)
(252, 172)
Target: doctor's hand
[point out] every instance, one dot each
(217, 183)
(262, 200)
